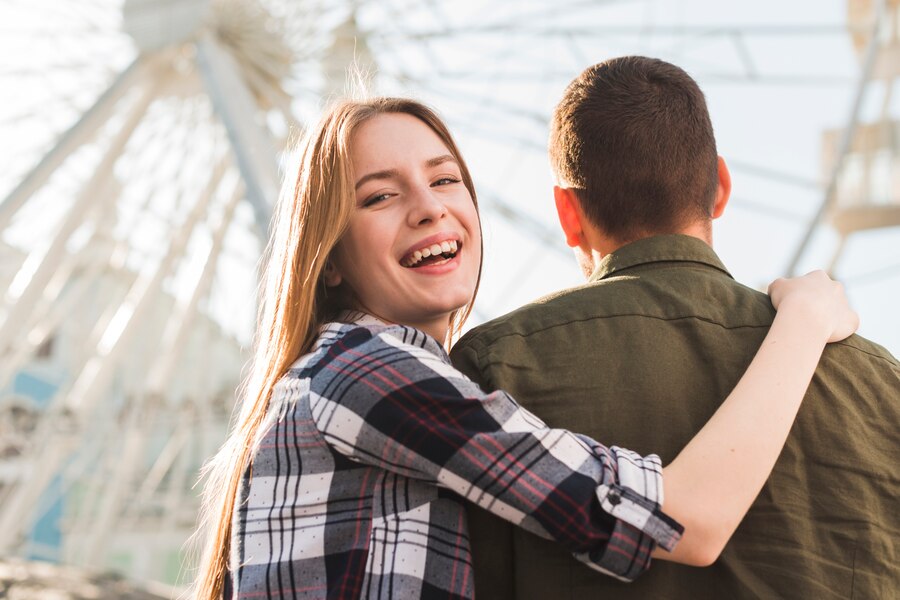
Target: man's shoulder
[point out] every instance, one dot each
(860, 348)
(660, 295)
(538, 324)
(552, 310)
(862, 375)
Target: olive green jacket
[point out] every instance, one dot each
(640, 357)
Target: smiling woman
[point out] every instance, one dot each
(412, 251)
(357, 442)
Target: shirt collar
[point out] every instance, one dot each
(332, 330)
(357, 317)
(658, 248)
(363, 319)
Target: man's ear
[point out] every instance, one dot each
(569, 217)
(723, 191)
(331, 276)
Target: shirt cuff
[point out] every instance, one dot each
(633, 496)
(637, 496)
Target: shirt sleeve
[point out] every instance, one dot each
(491, 538)
(383, 401)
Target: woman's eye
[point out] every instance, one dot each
(375, 199)
(445, 181)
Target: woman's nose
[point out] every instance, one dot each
(426, 207)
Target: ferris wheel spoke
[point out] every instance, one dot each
(160, 374)
(304, 30)
(90, 489)
(273, 95)
(43, 318)
(713, 77)
(537, 229)
(78, 134)
(776, 175)
(491, 104)
(111, 493)
(120, 333)
(173, 501)
(74, 471)
(766, 209)
(39, 267)
(162, 466)
(57, 306)
(95, 377)
(162, 138)
(250, 143)
(17, 515)
(490, 133)
(32, 114)
(180, 326)
(749, 67)
(46, 69)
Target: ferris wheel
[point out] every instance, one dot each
(144, 140)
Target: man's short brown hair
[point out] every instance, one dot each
(633, 136)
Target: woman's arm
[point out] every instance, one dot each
(388, 397)
(713, 481)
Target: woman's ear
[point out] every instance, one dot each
(331, 276)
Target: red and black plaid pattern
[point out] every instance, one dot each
(373, 440)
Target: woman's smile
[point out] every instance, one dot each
(433, 251)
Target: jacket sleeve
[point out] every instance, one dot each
(384, 402)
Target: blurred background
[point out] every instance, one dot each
(141, 150)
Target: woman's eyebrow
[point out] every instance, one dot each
(376, 175)
(438, 160)
(388, 174)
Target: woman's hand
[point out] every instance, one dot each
(818, 299)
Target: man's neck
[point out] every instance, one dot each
(602, 244)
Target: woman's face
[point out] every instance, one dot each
(413, 249)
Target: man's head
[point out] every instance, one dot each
(632, 141)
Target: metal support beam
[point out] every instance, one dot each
(175, 338)
(39, 267)
(70, 141)
(846, 140)
(539, 230)
(254, 150)
(117, 494)
(59, 434)
(83, 271)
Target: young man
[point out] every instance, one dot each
(660, 319)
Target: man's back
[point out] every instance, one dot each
(641, 358)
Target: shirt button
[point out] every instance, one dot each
(613, 498)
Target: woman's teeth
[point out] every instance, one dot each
(444, 250)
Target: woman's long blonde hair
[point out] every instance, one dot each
(313, 213)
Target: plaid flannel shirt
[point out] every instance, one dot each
(372, 442)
